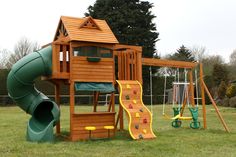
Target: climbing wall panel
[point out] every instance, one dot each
(139, 117)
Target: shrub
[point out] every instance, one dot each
(231, 91)
(222, 90)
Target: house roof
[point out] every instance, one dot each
(85, 29)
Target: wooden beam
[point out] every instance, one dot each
(57, 100)
(95, 101)
(191, 88)
(121, 47)
(121, 117)
(72, 105)
(168, 63)
(139, 68)
(215, 106)
(203, 97)
(64, 67)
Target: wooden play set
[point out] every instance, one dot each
(84, 51)
(86, 56)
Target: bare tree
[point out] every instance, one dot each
(198, 52)
(4, 53)
(23, 47)
(232, 58)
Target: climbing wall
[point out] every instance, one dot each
(139, 117)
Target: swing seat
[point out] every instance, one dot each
(177, 117)
(185, 118)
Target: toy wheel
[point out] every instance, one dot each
(176, 123)
(195, 125)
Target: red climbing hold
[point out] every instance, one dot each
(135, 92)
(130, 106)
(145, 120)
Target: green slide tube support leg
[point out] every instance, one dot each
(20, 84)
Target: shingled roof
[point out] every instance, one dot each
(85, 29)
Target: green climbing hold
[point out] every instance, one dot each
(127, 97)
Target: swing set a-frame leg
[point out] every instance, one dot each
(215, 106)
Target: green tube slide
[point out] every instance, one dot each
(20, 84)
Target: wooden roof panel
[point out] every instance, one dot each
(78, 33)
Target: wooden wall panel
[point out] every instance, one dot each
(85, 71)
(96, 119)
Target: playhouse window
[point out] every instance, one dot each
(93, 51)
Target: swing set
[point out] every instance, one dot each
(178, 89)
(185, 92)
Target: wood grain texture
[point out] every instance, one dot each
(96, 119)
(78, 33)
(85, 71)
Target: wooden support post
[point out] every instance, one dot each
(191, 88)
(72, 104)
(95, 101)
(135, 65)
(111, 103)
(121, 117)
(57, 100)
(139, 67)
(128, 65)
(64, 68)
(203, 97)
(215, 106)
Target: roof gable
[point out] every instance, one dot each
(89, 23)
(85, 29)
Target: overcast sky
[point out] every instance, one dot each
(209, 23)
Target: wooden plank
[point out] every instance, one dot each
(203, 97)
(72, 104)
(167, 63)
(215, 107)
(128, 65)
(95, 101)
(95, 73)
(191, 88)
(64, 58)
(54, 59)
(81, 44)
(139, 67)
(57, 100)
(135, 65)
(84, 59)
(93, 77)
(91, 80)
(95, 69)
(121, 47)
(89, 66)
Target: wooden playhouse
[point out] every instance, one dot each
(85, 53)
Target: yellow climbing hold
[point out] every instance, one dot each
(137, 115)
(144, 131)
(128, 86)
(134, 101)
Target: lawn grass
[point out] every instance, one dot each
(169, 142)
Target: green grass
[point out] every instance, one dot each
(169, 142)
